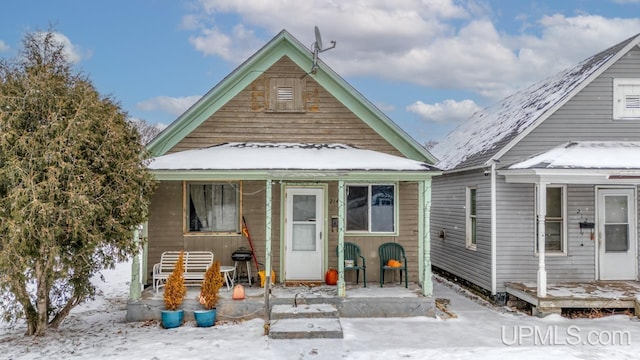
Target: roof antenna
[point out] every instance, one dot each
(317, 48)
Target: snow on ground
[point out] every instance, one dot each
(96, 330)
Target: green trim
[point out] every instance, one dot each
(135, 286)
(268, 233)
(298, 175)
(342, 290)
(284, 44)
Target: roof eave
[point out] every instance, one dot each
(284, 44)
(563, 101)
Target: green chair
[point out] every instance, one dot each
(395, 251)
(352, 252)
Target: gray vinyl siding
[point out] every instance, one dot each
(448, 212)
(516, 258)
(587, 116)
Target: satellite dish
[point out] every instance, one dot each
(317, 48)
(318, 39)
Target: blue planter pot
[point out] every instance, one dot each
(172, 318)
(205, 318)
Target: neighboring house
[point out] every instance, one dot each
(566, 150)
(287, 144)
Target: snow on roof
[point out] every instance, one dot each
(587, 155)
(284, 156)
(485, 132)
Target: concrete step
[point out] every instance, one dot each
(303, 311)
(306, 328)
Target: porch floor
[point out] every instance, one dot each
(587, 295)
(392, 300)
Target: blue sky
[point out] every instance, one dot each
(428, 64)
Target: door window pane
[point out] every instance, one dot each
(304, 237)
(615, 209)
(616, 238)
(304, 207)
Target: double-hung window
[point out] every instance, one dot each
(472, 218)
(371, 208)
(555, 220)
(626, 98)
(213, 207)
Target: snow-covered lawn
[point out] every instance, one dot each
(96, 330)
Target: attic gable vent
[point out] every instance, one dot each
(626, 98)
(632, 101)
(285, 94)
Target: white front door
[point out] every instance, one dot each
(304, 221)
(617, 234)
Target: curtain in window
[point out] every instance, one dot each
(225, 209)
(199, 200)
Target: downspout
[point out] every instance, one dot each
(494, 235)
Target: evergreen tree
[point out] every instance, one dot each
(73, 184)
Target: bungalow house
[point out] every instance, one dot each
(542, 187)
(288, 145)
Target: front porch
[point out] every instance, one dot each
(578, 295)
(393, 300)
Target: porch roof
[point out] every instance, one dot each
(584, 162)
(283, 157)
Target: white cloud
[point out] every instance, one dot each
(444, 44)
(448, 111)
(171, 105)
(73, 52)
(3, 46)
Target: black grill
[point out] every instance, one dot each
(241, 254)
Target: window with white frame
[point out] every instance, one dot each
(213, 207)
(555, 220)
(371, 208)
(472, 217)
(626, 98)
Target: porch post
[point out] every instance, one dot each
(267, 235)
(135, 287)
(541, 215)
(342, 291)
(424, 236)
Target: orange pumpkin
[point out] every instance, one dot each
(394, 263)
(331, 277)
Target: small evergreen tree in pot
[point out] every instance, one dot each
(174, 291)
(213, 281)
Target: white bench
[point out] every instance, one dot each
(195, 263)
